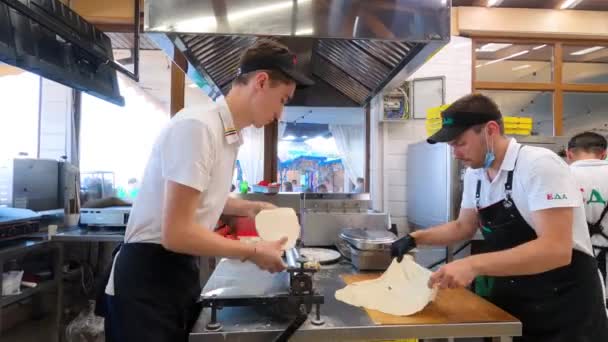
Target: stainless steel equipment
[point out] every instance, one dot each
(354, 48)
(242, 284)
(39, 184)
(323, 216)
(367, 249)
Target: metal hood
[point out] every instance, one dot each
(47, 38)
(353, 49)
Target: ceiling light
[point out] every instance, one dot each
(304, 136)
(570, 4)
(539, 47)
(494, 3)
(586, 51)
(289, 137)
(193, 85)
(521, 67)
(492, 47)
(508, 57)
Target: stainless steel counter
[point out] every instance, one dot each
(342, 322)
(88, 235)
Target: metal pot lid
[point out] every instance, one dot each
(374, 236)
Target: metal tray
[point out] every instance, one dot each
(368, 239)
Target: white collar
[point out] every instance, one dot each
(231, 134)
(589, 162)
(508, 162)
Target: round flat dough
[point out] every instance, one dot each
(402, 290)
(273, 224)
(323, 255)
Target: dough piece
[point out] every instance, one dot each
(402, 290)
(273, 224)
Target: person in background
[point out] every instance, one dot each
(287, 187)
(586, 154)
(152, 290)
(360, 186)
(322, 188)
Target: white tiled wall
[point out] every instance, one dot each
(453, 62)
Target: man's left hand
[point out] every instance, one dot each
(258, 206)
(459, 273)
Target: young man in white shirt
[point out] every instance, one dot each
(587, 157)
(154, 284)
(529, 210)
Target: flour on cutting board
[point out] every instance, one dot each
(402, 290)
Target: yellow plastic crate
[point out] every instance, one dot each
(517, 120)
(518, 131)
(518, 126)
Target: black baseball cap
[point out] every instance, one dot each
(283, 60)
(454, 123)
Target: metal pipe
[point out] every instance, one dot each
(292, 256)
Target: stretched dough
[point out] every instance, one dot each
(273, 224)
(402, 290)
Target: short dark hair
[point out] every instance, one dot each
(477, 103)
(263, 47)
(589, 142)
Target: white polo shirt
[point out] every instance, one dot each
(592, 178)
(541, 180)
(198, 148)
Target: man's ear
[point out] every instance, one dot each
(260, 79)
(603, 155)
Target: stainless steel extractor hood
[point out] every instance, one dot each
(49, 39)
(353, 49)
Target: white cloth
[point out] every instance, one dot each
(541, 180)
(198, 148)
(592, 178)
(350, 141)
(251, 154)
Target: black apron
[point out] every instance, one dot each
(564, 304)
(596, 229)
(155, 295)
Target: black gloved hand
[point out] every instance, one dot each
(402, 246)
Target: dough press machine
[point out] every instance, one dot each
(242, 284)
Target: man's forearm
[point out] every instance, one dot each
(198, 240)
(533, 257)
(442, 235)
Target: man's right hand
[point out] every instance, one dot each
(402, 246)
(267, 255)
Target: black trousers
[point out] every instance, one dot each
(156, 293)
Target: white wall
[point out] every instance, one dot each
(453, 62)
(55, 120)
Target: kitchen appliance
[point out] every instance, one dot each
(324, 215)
(354, 49)
(105, 217)
(367, 249)
(290, 294)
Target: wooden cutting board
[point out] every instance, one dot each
(450, 306)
